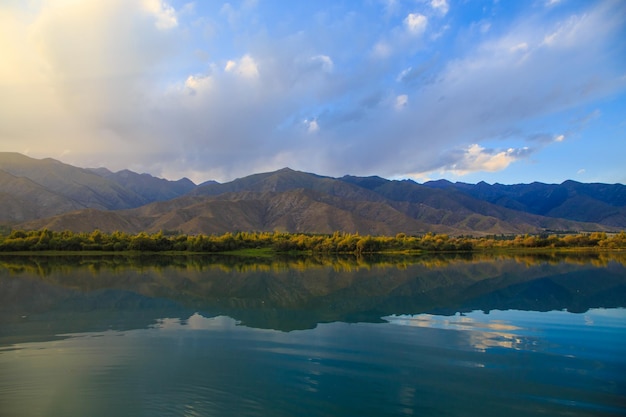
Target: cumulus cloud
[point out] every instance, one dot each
(476, 158)
(164, 14)
(441, 6)
(198, 83)
(416, 23)
(403, 39)
(246, 67)
(230, 65)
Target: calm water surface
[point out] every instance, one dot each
(214, 337)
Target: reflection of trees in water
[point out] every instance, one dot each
(290, 293)
(44, 265)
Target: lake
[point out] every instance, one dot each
(464, 335)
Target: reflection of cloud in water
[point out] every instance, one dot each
(482, 334)
(195, 322)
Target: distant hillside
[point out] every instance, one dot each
(39, 188)
(78, 185)
(145, 185)
(49, 194)
(597, 203)
(22, 199)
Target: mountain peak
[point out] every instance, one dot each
(439, 184)
(292, 200)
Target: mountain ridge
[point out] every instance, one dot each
(81, 200)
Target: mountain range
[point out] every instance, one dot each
(46, 193)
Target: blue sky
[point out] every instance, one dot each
(466, 90)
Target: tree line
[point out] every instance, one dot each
(338, 242)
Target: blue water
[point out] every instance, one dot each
(129, 356)
(507, 363)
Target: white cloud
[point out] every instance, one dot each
(312, 126)
(230, 66)
(520, 47)
(440, 5)
(165, 14)
(559, 138)
(476, 158)
(405, 73)
(248, 67)
(245, 67)
(416, 23)
(550, 38)
(472, 159)
(401, 101)
(574, 30)
(198, 83)
(324, 61)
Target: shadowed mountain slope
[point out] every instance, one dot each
(598, 203)
(298, 210)
(292, 201)
(39, 188)
(49, 194)
(82, 186)
(287, 179)
(22, 199)
(145, 185)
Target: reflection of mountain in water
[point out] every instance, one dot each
(46, 296)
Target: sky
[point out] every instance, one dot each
(499, 91)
